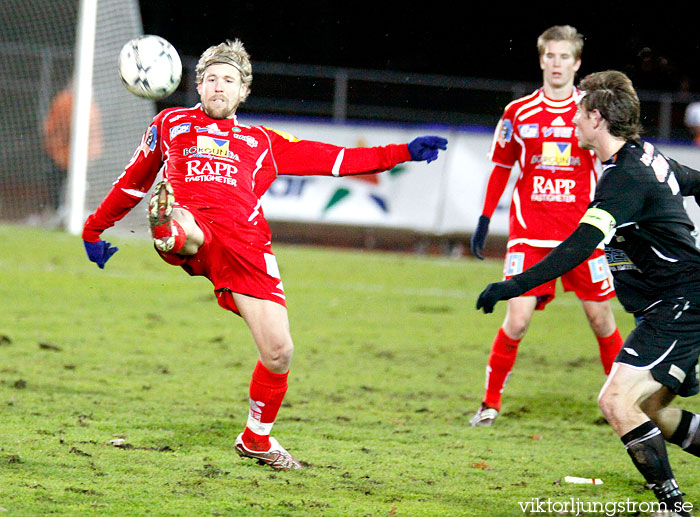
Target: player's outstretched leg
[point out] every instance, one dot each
(168, 235)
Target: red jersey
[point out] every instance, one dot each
(222, 168)
(557, 178)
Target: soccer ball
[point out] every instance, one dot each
(150, 67)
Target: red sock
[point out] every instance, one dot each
(501, 361)
(172, 228)
(609, 348)
(267, 390)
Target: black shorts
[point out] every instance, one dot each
(666, 341)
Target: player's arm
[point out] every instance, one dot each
(306, 157)
(574, 250)
(688, 179)
(618, 199)
(504, 153)
(126, 192)
(498, 180)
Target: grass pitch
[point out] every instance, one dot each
(122, 391)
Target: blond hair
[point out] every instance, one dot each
(562, 33)
(231, 53)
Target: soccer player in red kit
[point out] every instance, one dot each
(206, 215)
(553, 190)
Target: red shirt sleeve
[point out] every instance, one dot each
(505, 149)
(496, 186)
(131, 187)
(306, 157)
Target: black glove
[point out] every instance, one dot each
(495, 292)
(479, 237)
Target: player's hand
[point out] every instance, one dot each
(99, 252)
(496, 292)
(479, 237)
(425, 148)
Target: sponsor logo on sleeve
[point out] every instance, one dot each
(504, 132)
(151, 138)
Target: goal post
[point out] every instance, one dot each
(50, 175)
(80, 118)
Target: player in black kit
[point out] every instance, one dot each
(638, 213)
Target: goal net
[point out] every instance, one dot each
(37, 61)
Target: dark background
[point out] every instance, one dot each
(456, 39)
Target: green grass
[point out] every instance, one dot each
(388, 369)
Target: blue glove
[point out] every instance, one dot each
(479, 237)
(99, 252)
(426, 148)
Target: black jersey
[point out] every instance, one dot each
(652, 253)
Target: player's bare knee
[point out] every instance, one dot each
(278, 358)
(516, 327)
(610, 405)
(600, 318)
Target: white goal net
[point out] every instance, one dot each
(37, 61)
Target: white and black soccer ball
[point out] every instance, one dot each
(150, 67)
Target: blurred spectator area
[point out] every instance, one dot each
(343, 95)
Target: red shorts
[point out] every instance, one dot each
(591, 281)
(234, 262)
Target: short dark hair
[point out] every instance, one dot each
(613, 95)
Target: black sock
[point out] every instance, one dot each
(687, 435)
(646, 446)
